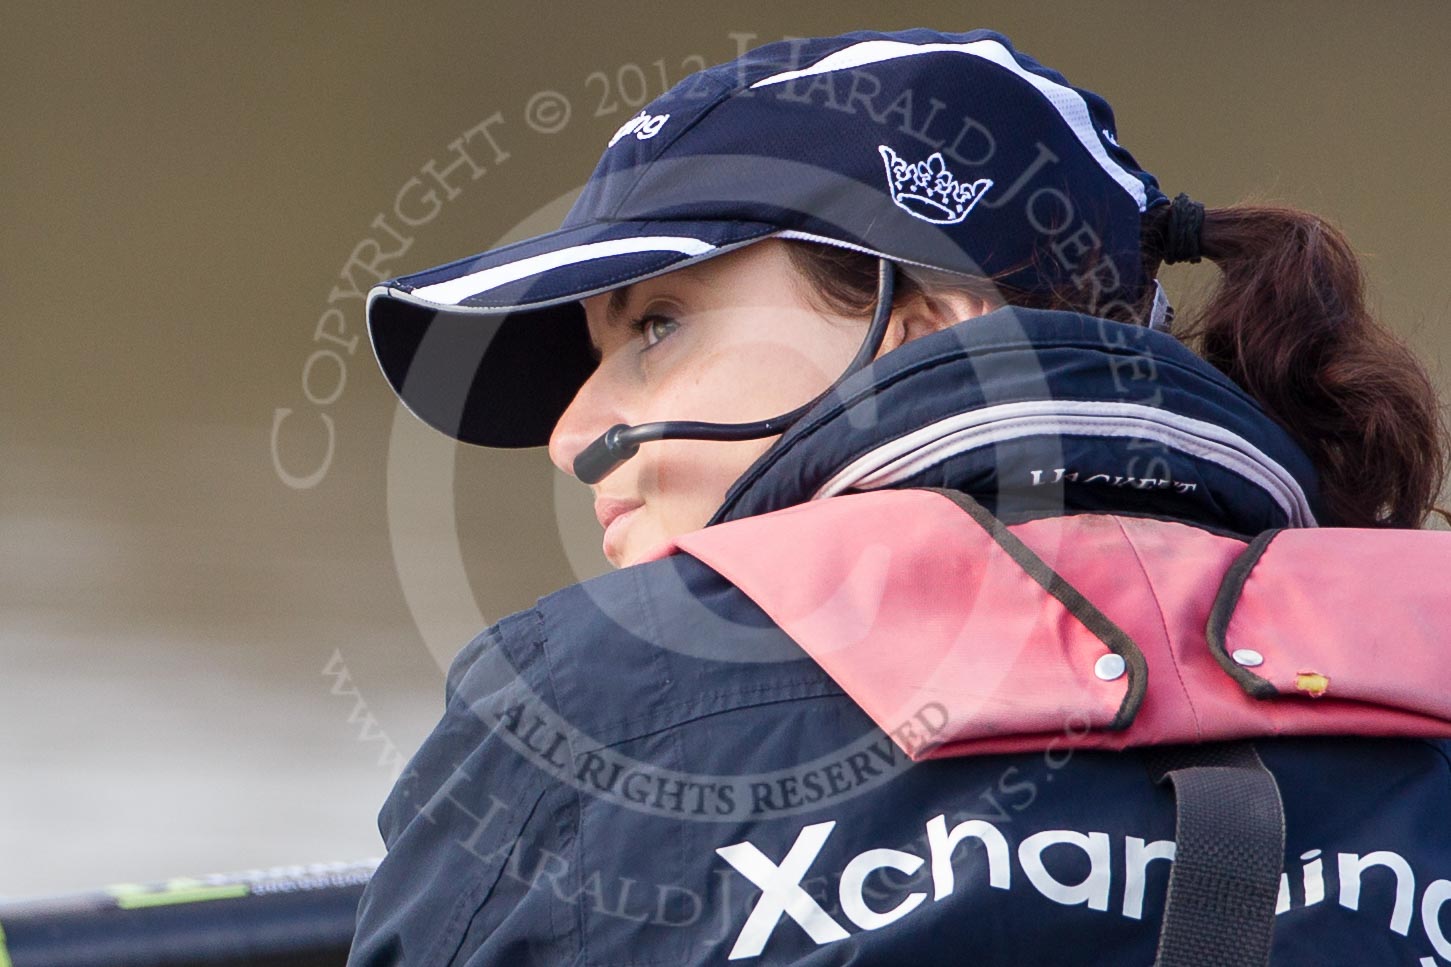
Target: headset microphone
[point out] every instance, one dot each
(620, 442)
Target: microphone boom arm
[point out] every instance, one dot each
(621, 442)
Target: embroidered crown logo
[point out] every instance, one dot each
(927, 190)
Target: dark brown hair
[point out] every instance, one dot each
(1287, 321)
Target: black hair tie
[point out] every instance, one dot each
(1181, 238)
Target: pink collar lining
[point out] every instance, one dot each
(952, 647)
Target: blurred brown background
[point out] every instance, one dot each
(204, 667)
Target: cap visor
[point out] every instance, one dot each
(491, 349)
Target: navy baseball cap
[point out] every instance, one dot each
(949, 151)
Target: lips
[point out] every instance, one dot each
(608, 508)
(615, 516)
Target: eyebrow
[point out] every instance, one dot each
(618, 299)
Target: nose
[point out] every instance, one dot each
(593, 410)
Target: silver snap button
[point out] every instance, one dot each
(1247, 657)
(1109, 667)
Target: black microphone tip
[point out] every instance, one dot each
(598, 460)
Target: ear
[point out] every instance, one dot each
(920, 315)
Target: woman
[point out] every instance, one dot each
(856, 304)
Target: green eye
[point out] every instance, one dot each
(654, 328)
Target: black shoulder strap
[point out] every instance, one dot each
(1229, 849)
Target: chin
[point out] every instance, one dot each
(627, 550)
(632, 553)
(639, 541)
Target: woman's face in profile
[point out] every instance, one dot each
(732, 339)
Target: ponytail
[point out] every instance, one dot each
(1288, 323)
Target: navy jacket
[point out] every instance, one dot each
(644, 770)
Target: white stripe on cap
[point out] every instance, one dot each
(454, 291)
(1068, 102)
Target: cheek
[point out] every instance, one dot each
(686, 480)
(766, 377)
(750, 377)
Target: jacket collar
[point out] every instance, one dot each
(1039, 413)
